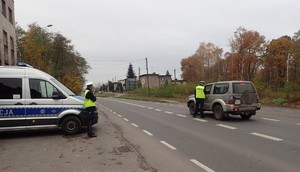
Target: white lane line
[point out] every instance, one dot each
(126, 119)
(168, 112)
(297, 123)
(110, 110)
(204, 167)
(168, 145)
(159, 110)
(147, 132)
(270, 119)
(201, 120)
(134, 125)
(184, 116)
(227, 126)
(150, 107)
(115, 113)
(120, 116)
(266, 136)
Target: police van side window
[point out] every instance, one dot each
(10, 88)
(41, 89)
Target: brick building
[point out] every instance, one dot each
(8, 50)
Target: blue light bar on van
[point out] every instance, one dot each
(23, 64)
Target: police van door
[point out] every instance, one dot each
(42, 109)
(12, 106)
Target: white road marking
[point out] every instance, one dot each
(134, 125)
(227, 126)
(150, 107)
(201, 120)
(204, 167)
(120, 116)
(115, 113)
(126, 119)
(266, 136)
(159, 110)
(147, 132)
(168, 145)
(184, 116)
(168, 112)
(270, 119)
(297, 123)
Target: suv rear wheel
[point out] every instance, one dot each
(218, 112)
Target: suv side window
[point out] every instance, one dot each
(10, 88)
(40, 89)
(221, 88)
(207, 89)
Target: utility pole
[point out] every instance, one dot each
(174, 74)
(147, 77)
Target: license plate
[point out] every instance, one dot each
(237, 102)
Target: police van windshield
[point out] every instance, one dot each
(64, 88)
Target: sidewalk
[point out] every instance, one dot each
(48, 151)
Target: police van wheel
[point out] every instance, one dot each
(71, 125)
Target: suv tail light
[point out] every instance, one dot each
(231, 100)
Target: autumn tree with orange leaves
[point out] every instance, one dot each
(52, 53)
(200, 65)
(247, 53)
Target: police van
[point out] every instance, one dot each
(32, 99)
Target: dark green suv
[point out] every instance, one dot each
(229, 97)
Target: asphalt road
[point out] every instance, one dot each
(169, 139)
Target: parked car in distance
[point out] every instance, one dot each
(229, 97)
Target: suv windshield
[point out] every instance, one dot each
(241, 87)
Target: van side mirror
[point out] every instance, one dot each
(58, 95)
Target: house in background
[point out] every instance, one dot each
(155, 80)
(8, 53)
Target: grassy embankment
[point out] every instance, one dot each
(280, 97)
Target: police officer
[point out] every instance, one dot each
(90, 107)
(200, 97)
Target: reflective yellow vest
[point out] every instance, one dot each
(88, 102)
(200, 92)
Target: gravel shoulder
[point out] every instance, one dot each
(52, 151)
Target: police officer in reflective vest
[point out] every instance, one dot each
(90, 107)
(200, 97)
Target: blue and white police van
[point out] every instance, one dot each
(32, 99)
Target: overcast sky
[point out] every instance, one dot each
(110, 34)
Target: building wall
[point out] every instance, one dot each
(164, 79)
(155, 80)
(8, 49)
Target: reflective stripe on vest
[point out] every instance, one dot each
(88, 102)
(200, 92)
